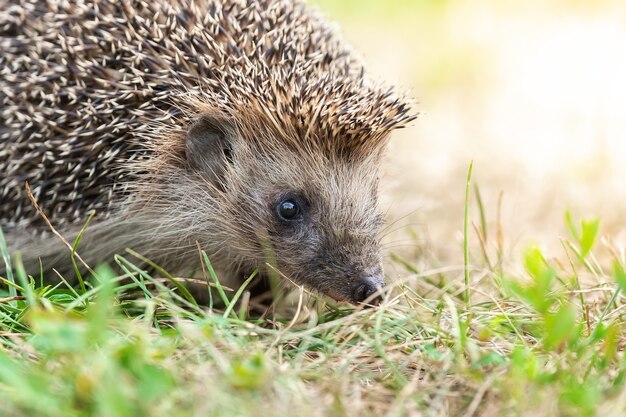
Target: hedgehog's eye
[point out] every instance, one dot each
(288, 210)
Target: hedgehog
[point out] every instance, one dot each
(248, 129)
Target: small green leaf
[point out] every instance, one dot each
(571, 227)
(538, 292)
(57, 333)
(535, 264)
(589, 234)
(249, 373)
(560, 327)
(620, 276)
(489, 359)
(611, 342)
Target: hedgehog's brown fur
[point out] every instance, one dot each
(97, 97)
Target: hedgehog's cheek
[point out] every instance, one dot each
(208, 147)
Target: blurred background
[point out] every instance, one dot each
(534, 92)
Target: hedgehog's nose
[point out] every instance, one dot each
(365, 288)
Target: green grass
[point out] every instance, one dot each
(545, 341)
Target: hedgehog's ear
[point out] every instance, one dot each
(209, 147)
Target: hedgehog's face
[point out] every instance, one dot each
(321, 224)
(323, 228)
(313, 217)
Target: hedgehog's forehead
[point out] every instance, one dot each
(320, 176)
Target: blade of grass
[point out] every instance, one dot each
(4, 250)
(216, 281)
(466, 237)
(79, 276)
(27, 290)
(481, 212)
(233, 301)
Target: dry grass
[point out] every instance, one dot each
(547, 342)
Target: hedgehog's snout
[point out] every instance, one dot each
(365, 290)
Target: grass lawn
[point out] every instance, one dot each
(545, 341)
